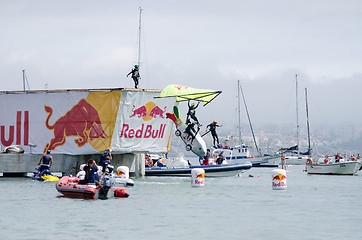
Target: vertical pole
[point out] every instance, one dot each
(24, 80)
(306, 108)
(139, 37)
(239, 124)
(296, 101)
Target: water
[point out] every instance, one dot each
(313, 207)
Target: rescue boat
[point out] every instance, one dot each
(70, 187)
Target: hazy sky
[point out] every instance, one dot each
(93, 44)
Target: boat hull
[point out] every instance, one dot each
(222, 170)
(345, 168)
(69, 187)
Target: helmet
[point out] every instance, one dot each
(136, 66)
(48, 151)
(214, 121)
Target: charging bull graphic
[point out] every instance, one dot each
(148, 111)
(82, 121)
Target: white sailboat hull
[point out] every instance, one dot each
(345, 168)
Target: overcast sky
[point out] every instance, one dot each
(93, 44)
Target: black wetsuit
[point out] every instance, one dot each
(191, 113)
(212, 126)
(135, 76)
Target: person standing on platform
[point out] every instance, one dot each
(135, 75)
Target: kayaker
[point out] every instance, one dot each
(45, 162)
(192, 113)
(135, 75)
(212, 128)
(91, 172)
(206, 158)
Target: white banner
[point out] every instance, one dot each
(85, 122)
(141, 124)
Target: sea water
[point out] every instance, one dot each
(239, 207)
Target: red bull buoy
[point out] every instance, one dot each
(279, 180)
(123, 176)
(197, 177)
(123, 172)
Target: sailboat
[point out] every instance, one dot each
(240, 151)
(293, 155)
(326, 166)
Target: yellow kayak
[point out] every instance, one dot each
(50, 178)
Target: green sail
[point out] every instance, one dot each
(184, 93)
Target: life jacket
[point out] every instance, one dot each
(46, 159)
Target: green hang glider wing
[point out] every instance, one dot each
(183, 93)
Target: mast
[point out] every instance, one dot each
(306, 108)
(24, 80)
(239, 124)
(296, 101)
(247, 112)
(139, 36)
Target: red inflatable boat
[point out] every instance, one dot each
(70, 187)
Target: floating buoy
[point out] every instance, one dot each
(279, 180)
(123, 176)
(123, 172)
(197, 177)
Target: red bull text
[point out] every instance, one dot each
(143, 132)
(18, 132)
(147, 112)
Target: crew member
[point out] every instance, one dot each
(106, 153)
(46, 162)
(212, 128)
(338, 158)
(205, 161)
(135, 75)
(105, 163)
(191, 112)
(91, 172)
(190, 129)
(220, 159)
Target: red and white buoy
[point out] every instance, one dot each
(279, 180)
(197, 177)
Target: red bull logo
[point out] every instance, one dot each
(81, 121)
(280, 177)
(147, 112)
(120, 173)
(201, 175)
(279, 181)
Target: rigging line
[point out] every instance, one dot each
(247, 112)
